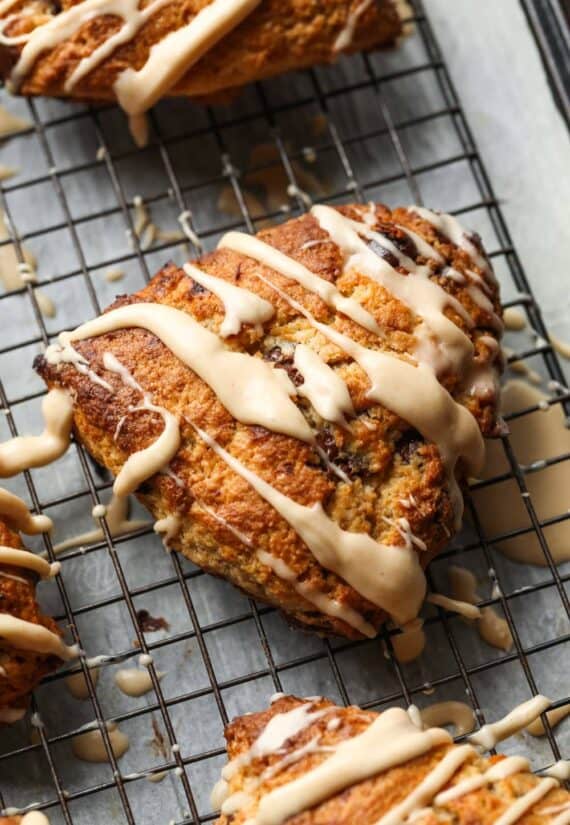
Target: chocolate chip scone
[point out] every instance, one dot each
(137, 51)
(30, 642)
(296, 408)
(313, 763)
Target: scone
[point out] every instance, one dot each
(139, 51)
(30, 642)
(296, 408)
(313, 763)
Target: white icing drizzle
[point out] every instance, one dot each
(524, 803)
(90, 747)
(29, 561)
(379, 572)
(24, 635)
(555, 716)
(491, 627)
(35, 818)
(331, 607)
(175, 54)
(441, 343)
(249, 388)
(390, 740)
(450, 227)
(502, 770)
(274, 259)
(346, 35)
(168, 527)
(325, 390)
(117, 521)
(516, 720)
(24, 452)
(405, 389)
(241, 306)
(134, 681)
(458, 714)
(466, 609)
(167, 62)
(429, 786)
(410, 643)
(560, 770)
(15, 513)
(144, 463)
(77, 685)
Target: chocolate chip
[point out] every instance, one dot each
(353, 464)
(408, 444)
(196, 288)
(400, 239)
(383, 253)
(285, 362)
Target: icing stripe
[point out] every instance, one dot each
(379, 572)
(249, 388)
(15, 513)
(24, 452)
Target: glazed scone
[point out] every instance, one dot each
(30, 642)
(309, 762)
(97, 51)
(314, 411)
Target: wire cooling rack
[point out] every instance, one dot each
(385, 127)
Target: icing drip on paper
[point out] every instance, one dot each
(23, 452)
(15, 513)
(118, 522)
(519, 718)
(90, 747)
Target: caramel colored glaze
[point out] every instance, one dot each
(278, 36)
(24, 669)
(385, 459)
(371, 799)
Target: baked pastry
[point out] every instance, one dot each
(136, 53)
(313, 763)
(31, 818)
(30, 642)
(296, 408)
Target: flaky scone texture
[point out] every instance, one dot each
(368, 801)
(278, 36)
(385, 459)
(23, 669)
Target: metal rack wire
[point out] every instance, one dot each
(301, 662)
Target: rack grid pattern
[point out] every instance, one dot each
(276, 670)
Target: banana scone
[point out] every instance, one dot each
(30, 642)
(137, 51)
(309, 762)
(296, 408)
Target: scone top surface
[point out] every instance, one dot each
(376, 475)
(310, 762)
(136, 51)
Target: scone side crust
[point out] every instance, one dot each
(388, 462)
(23, 669)
(369, 800)
(278, 36)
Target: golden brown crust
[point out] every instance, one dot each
(368, 801)
(386, 460)
(279, 36)
(23, 670)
